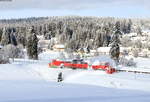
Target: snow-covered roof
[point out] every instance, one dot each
(107, 49)
(103, 49)
(92, 51)
(125, 48)
(60, 46)
(41, 37)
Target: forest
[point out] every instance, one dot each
(75, 32)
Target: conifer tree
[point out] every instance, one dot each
(1, 32)
(5, 40)
(13, 37)
(32, 45)
(115, 41)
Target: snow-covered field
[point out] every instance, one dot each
(37, 83)
(33, 81)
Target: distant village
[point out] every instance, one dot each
(124, 51)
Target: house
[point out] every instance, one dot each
(43, 44)
(59, 47)
(105, 50)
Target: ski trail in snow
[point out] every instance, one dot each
(115, 84)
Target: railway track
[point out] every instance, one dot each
(132, 71)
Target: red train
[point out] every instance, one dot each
(75, 64)
(80, 64)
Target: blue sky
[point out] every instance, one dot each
(102, 8)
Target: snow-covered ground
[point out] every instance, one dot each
(33, 81)
(122, 80)
(143, 62)
(37, 83)
(142, 65)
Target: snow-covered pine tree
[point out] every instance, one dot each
(13, 38)
(115, 41)
(21, 36)
(1, 32)
(5, 40)
(32, 45)
(139, 31)
(35, 47)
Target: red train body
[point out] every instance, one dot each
(68, 64)
(78, 64)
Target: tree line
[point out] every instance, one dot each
(74, 32)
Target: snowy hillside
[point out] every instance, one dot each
(37, 83)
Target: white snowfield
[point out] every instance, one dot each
(37, 83)
(143, 65)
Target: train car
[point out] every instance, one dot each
(75, 64)
(55, 63)
(104, 66)
(80, 64)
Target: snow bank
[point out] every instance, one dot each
(143, 62)
(18, 72)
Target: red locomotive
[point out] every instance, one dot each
(104, 66)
